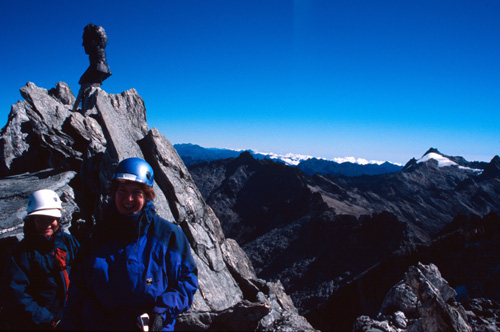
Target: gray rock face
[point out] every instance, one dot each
(422, 302)
(46, 145)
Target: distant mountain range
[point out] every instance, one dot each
(193, 154)
(333, 239)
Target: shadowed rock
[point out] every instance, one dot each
(422, 302)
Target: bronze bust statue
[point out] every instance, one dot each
(94, 42)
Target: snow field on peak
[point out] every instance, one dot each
(444, 162)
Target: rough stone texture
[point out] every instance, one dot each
(483, 314)
(46, 145)
(437, 309)
(432, 307)
(401, 298)
(34, 132)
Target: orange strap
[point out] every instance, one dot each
(61, 261)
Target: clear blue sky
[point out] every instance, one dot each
(379, 80)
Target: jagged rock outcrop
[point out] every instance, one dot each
(467, 254)
(45, 144)
(422, 302)
(468, 257)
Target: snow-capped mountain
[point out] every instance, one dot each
(293, 159)
(444, 161)
(289, 158)
(447, 161)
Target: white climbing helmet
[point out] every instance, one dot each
(45, 202)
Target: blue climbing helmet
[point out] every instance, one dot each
(134, 169)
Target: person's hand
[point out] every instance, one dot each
(155, 322)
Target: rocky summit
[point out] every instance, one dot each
(46, 145)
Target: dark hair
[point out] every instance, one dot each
(96, 33)
(148, 191)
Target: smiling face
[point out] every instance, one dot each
(46, 225)
(129, 197)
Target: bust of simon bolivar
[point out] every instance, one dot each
(94, 43)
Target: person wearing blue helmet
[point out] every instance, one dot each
(134, 269)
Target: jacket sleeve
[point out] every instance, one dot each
(72, 311)
(182, 277)
(77, 291)
(17, 291)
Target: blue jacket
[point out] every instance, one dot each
(35, 283)
(130, 265)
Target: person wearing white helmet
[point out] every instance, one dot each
(38, 270)
(44, 206)
(133, 264)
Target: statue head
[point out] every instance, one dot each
(94, 37)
